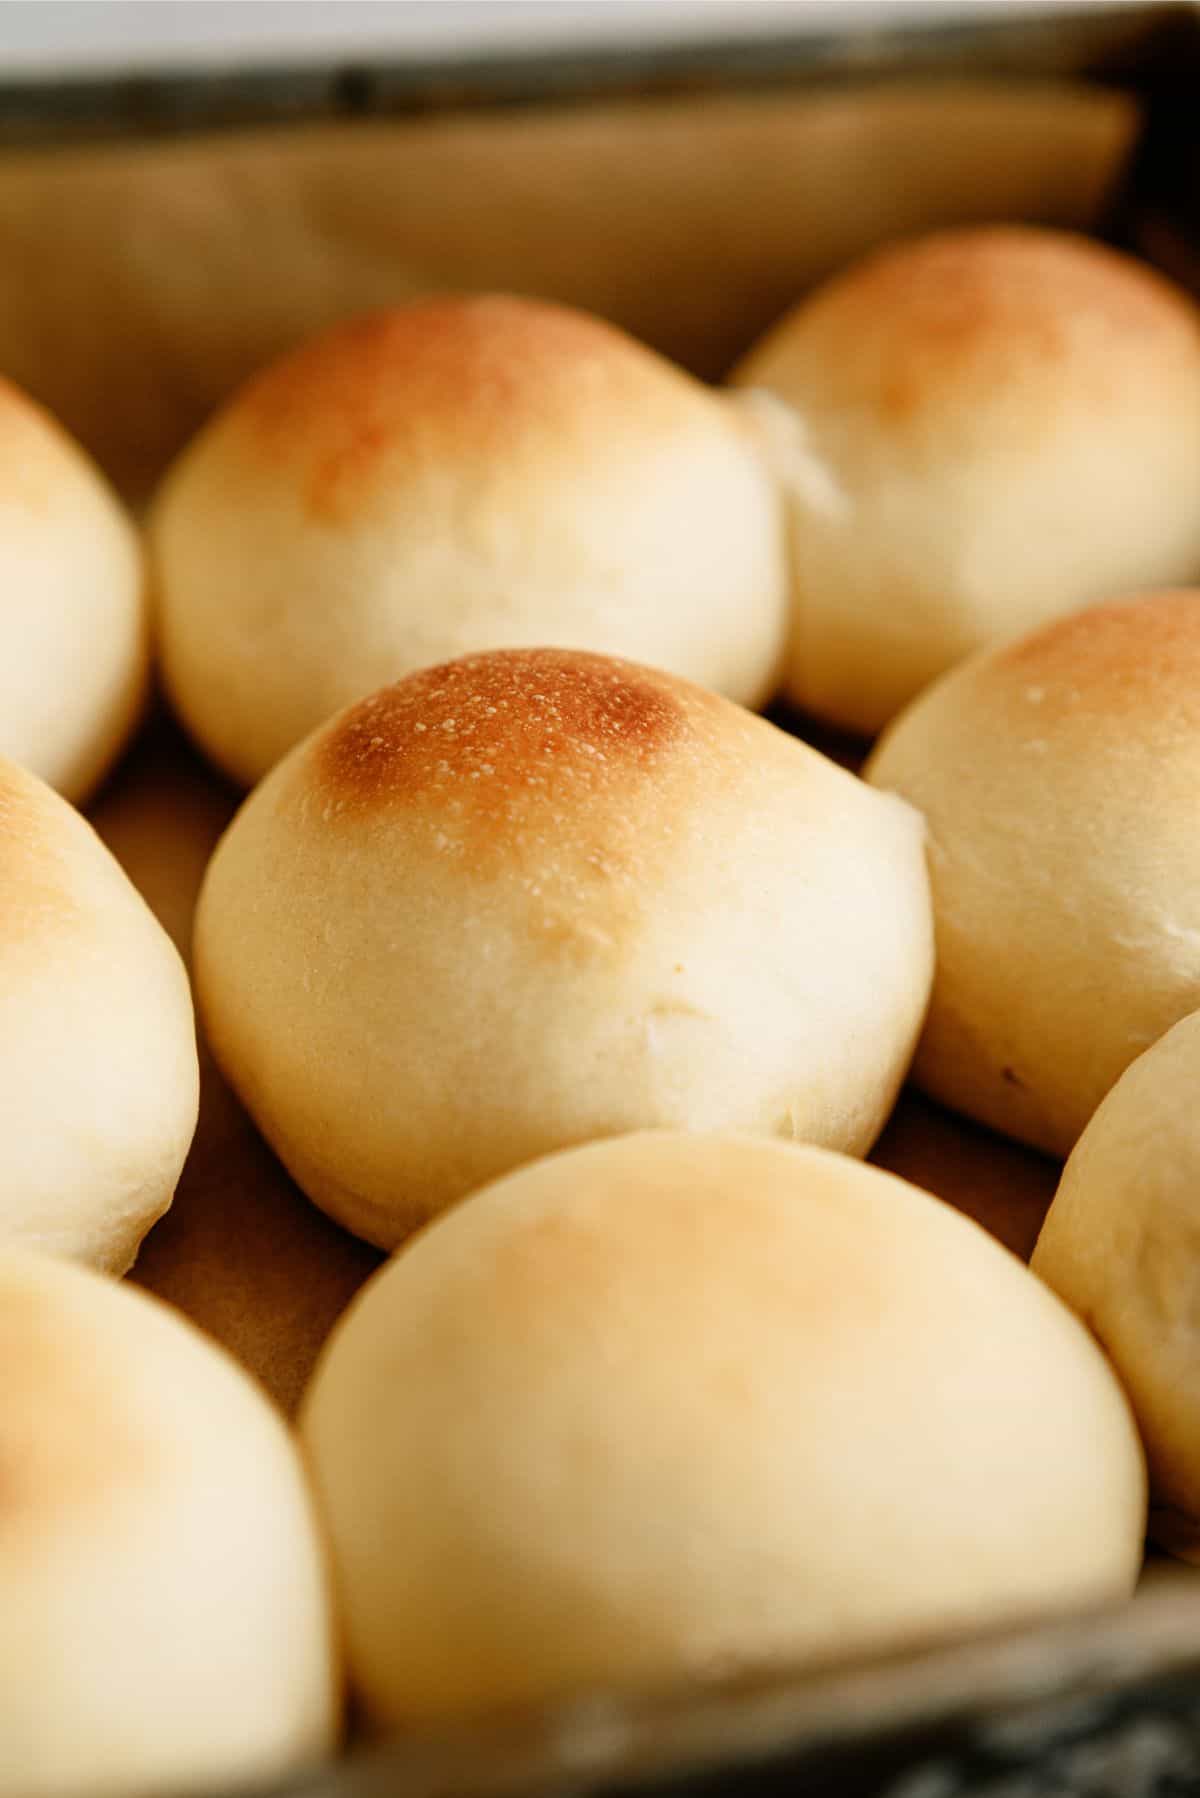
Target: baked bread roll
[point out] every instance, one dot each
(670, 1405)
(1119, 1245)
(458, 474)
(1058, 778)
(982, 429)
(535, 897)
(98, 1092)
(168, 1621)
(74, 633)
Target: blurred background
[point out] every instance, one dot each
(39, 36)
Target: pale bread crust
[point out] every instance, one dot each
(458, 474)
(982, 429)
(99, 1091)
(535, 897)
(245, 1255)
(670, 1405)
(74, 626)
(159, 1559)
(1057, 777)
(1120, 1244)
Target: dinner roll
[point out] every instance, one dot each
(98, 1075)
(169, 1625)
(534, 897)
(1120, 1246)
(670, 1405)
(1058, 778)
(982, 429)
(453, 475)
(74, 655)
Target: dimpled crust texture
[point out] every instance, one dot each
(74, 632)
(667, 1405)
(160, 1571)
(457, 475)
(1058, 778)
(536, 897)
(99, 1086)
(1121, 1244)
(989, 427)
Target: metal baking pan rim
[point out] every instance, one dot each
(1132, 45)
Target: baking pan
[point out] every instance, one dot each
(1137, 45)
(1085, 116)
(168, 235)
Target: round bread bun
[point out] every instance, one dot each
(74, 631)
(98, 1093)
(535, 897)
(983, 429)
(454, 475)
(1058, 779)
(671, 1405)
(1119, 1245)
(169, 1625)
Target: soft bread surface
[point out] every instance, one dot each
(169, 1625)
(981, 429)
(455, 475)
(535, 897)
(1120, 1246)
(74, 631)
(99, 1090)
(671, 1405)
(1058, 776)
(241, 1251)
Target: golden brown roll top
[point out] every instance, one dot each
(979, 430)
(1057, 777)
(535, 897)
(455, 475)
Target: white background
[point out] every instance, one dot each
(40, 37)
